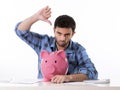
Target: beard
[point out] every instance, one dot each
(62, 43)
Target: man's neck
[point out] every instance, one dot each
(61, 48)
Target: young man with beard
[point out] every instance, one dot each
(80, 66)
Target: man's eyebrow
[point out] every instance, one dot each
(64, 34)
(58, 32)
(67, 34)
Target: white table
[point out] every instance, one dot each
(64, 86)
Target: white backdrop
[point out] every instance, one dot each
(98, 30)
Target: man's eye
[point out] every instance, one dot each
(67, 35)
(59, 33)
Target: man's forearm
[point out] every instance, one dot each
(27, 23)
(42, 14)
(77, 77)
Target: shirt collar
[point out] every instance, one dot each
(53, 46)
(69, 49)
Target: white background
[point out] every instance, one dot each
(98, 30)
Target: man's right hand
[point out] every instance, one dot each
(44, 14)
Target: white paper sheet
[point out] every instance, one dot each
(25, 81)
(20, 81)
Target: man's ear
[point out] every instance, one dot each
(54, 30)
(73, 33)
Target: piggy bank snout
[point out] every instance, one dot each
(50, 69)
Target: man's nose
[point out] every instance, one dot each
(62, 38)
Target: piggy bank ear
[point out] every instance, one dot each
(61, 53)
(44, 53)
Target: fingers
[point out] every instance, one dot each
(47, 8)
(58, 79)
(47, 11)
(44, 14)
(48, 21)
(47, 14)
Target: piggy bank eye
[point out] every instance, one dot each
(45, 61)
(55, 61)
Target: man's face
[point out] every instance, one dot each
(63, 36)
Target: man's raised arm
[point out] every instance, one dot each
(44, 14)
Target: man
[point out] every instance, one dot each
(80, 66)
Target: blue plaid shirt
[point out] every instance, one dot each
(79, 62)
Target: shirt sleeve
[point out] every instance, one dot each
(31, 38)
(86, 66)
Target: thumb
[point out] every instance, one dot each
(48, 21)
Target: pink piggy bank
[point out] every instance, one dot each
(53, 63)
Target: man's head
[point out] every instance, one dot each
(65, 21)
(64, 29)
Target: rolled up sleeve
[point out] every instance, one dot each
(87, 67)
